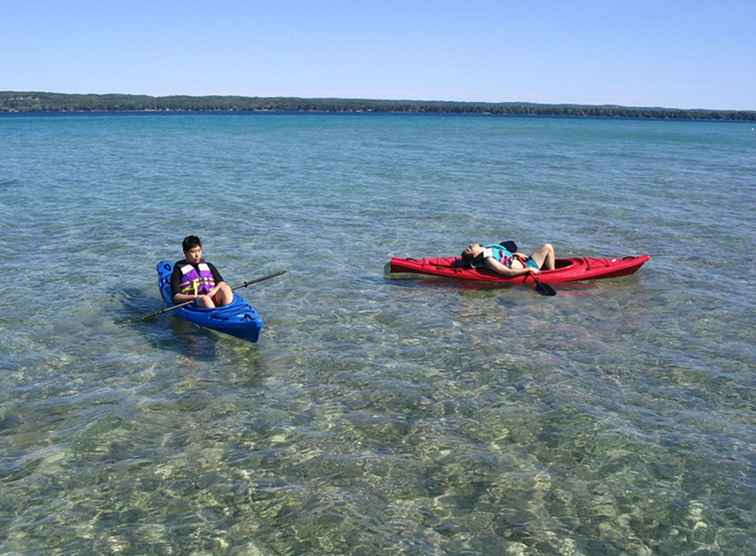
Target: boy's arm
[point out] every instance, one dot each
(499, 268)
(175, 283)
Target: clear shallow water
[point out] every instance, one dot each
(375, 416)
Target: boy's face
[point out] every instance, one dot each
(473, 250)
(194, 255)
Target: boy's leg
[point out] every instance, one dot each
(545, 257)
(205, 302)
(223, 296)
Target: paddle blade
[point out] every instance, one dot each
(544, 289)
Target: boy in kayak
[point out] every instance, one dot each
(195, 279)
(502, 261)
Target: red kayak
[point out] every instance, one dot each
(567, 270)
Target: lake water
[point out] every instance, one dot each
(376, 416)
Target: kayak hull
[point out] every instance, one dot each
(239, 318)
(567, 270)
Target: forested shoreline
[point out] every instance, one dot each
(15, 101)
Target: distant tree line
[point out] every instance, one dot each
(12, 101)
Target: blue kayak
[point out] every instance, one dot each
(238, 318)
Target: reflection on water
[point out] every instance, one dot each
(376, 416)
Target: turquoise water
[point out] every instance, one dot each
(376, 416)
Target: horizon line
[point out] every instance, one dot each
(478, 102)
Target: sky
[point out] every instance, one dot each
(671, 53)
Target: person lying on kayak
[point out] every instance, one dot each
(502, 261)
(195, 279)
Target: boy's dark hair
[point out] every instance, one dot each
(190, 242)
(467, 258)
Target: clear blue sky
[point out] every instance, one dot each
(685, 54)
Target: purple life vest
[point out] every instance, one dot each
(196, 283)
